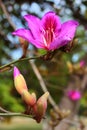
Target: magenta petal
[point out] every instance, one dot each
(68, 29)
(74, 95)
(27, 35)
(37, 43)
(57, 43)
(34, 24)
(82, 63)
(51, 20)
(16, 72)
(24, 33)
(66, 35)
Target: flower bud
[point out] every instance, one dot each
(40, 107)
(19, 81)
(70, 66)
(30, 99)
(24, 45)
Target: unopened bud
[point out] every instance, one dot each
(24, 45)
(76, 67)
(53, 114)
(67, 113)
(30, 99)
(70, 67)
(19, 81)
(40, 107)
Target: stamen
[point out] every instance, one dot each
(44, 41)
(48, 36)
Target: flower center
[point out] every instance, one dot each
(48, 36)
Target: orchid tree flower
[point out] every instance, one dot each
(82, 63)
(74, 95)
(48, 33)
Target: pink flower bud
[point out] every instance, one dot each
(19, 81)
(40, 107)
(30, 99)
(74, 95)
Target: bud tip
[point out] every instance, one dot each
(46, 94)
(16, 72)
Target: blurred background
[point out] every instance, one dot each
(56, 79)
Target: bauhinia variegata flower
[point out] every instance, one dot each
(48, 33)
(74, 95)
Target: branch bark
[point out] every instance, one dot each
(7, 15)
(43, 85)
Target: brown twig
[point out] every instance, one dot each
(55, 87)
(8, 113)
(7, 14)
(71, 122)
(84, 82)
(43, 85)
(3, 110)
(10, 65)
(14, 114)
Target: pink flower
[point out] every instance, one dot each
(74, 95)
(82, 63)
(48, 33)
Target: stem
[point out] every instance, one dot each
(13, 62)
(71, 122)
(3, 110)
(43, 86)
(7, 14)
(14, 114)
(53, 128)
(55, 87)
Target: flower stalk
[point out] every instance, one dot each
(14, 114)
(10, 65)
(48, 56)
